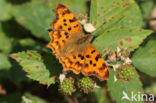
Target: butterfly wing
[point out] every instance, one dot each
(94, 64)
(64, 27)
(73, 62)
(65, 20)
(89, 60)
(58, 41)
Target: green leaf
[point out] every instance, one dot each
(28, 98)
(5, 10)
(146, 12)
(144, 59)
(113, 13)
(5, 42)
(10, 68)
(118, 88)
(4, 62)
(143, 6)
(36, 17)
(76, 5)
(41, 68)
(100, 95)
(123, 37)
(27, 44)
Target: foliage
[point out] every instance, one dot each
(145, 62)
(35, 76)
(37, 66)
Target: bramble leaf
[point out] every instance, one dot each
(123, 37)
(105, 14)
(42, 68)
(144, 59)
(36, 17)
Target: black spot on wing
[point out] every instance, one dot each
(80, 56)
(67, 36)
(90, 61)
(74, 57)
(97, 57)
(63, 41)
(92, 51)
(69, 28)
(76, 26)
(94, 65)
(65, 33)
(65, 24)
(64, 20)
(72, 20)
(60, 27)
(79, 64)
(88, 56)
(65, 12)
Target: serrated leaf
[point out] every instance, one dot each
(14, 71)
(36, 17)
(144, 59)
(40, 68)
(108, 13)
(5, 10)
(28, 98)
(123, 37)
(118, 88)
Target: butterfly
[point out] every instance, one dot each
(73, 48)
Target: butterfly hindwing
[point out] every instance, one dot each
(65, 20)
(94, 64)
(73, 62)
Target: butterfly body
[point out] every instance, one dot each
(73, 48)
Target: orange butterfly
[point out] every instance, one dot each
(73, 48)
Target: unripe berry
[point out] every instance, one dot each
(126, 72)
(86, 84)
(67, 86)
